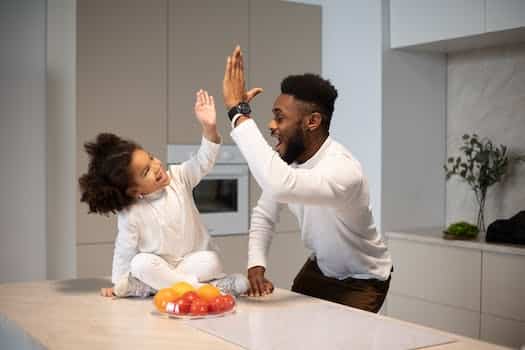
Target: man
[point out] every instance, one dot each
(323, 185)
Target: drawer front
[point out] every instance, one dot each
(445, 275)
(428, 314)
(501, 331)
(504, 285)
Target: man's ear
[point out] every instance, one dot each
(314, 121)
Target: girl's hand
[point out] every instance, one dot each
(107, 292)
(206, 115)
(205, 109)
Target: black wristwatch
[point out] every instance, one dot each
(242, 108)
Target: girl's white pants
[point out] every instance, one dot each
(200, 266)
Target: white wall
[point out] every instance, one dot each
(22, 140)
(390, 111)
(413, 141)
(486, 95)
(351, 59)
(61, 139)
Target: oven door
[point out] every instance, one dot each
(222, 199)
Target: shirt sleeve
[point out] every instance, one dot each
(200, 164)
(262, 227)
(333, 183)
(126, 247)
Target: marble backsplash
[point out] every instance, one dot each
(486, 95)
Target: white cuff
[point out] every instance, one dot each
(234, 119)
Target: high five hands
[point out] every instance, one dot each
(233, 85)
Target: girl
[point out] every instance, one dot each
(161, 239)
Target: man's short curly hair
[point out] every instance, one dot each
(316, 93)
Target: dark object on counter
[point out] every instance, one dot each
(508, 231)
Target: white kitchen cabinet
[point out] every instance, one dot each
(437, 273)
(415, 22)
(430, 314)
(450, 25)
(94, 260)
(139, 63)
(201, 34)
(471, 288)
(121, 86)
(504, 14)
(504, 285)
(502, 331)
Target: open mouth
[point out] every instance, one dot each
(160, 177)
(278, 143)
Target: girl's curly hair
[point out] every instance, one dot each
(104, 187)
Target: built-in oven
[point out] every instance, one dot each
(222, 196)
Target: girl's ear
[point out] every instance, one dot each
(314, 121)
(133, 192)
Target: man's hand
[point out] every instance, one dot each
(233, 85)
(107, 292)
(206, 115)
(259, 285)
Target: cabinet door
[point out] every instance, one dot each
(422, 21)
(435, 273)
(280, 44)
(505, 14)
(94, 260)
(446, 318)
(201, 34)
(503, 285)
(121, 85)
(502, 331)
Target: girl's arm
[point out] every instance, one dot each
(199, 165)
(126, 247)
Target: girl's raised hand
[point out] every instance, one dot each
(205, 109)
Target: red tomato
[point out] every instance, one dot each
(179, 307)
(229, 302)
(216, 304)
(199, 307)
(190, 296)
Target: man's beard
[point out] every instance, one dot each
(294, 147)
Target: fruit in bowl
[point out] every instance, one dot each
(206, 300)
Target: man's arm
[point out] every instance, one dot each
(342, 177)
(339, 178)
(262, 226)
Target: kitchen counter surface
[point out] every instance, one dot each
(70, 314)
(435, 236)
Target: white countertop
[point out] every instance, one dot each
(71, 315)
(435, 236)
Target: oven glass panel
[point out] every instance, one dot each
(216, 195)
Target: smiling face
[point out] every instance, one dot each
(147, 173)
(288, 127)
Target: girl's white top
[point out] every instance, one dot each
(167, 222)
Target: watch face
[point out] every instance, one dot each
(244, 108)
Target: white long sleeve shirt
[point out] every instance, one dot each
(166, 222)
(329, 196)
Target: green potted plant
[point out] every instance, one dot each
(482, 165)
(461, 230)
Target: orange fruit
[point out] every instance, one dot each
(164, 296)
(208, 292)
(180, 288)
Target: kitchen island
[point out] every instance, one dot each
(70, 314)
